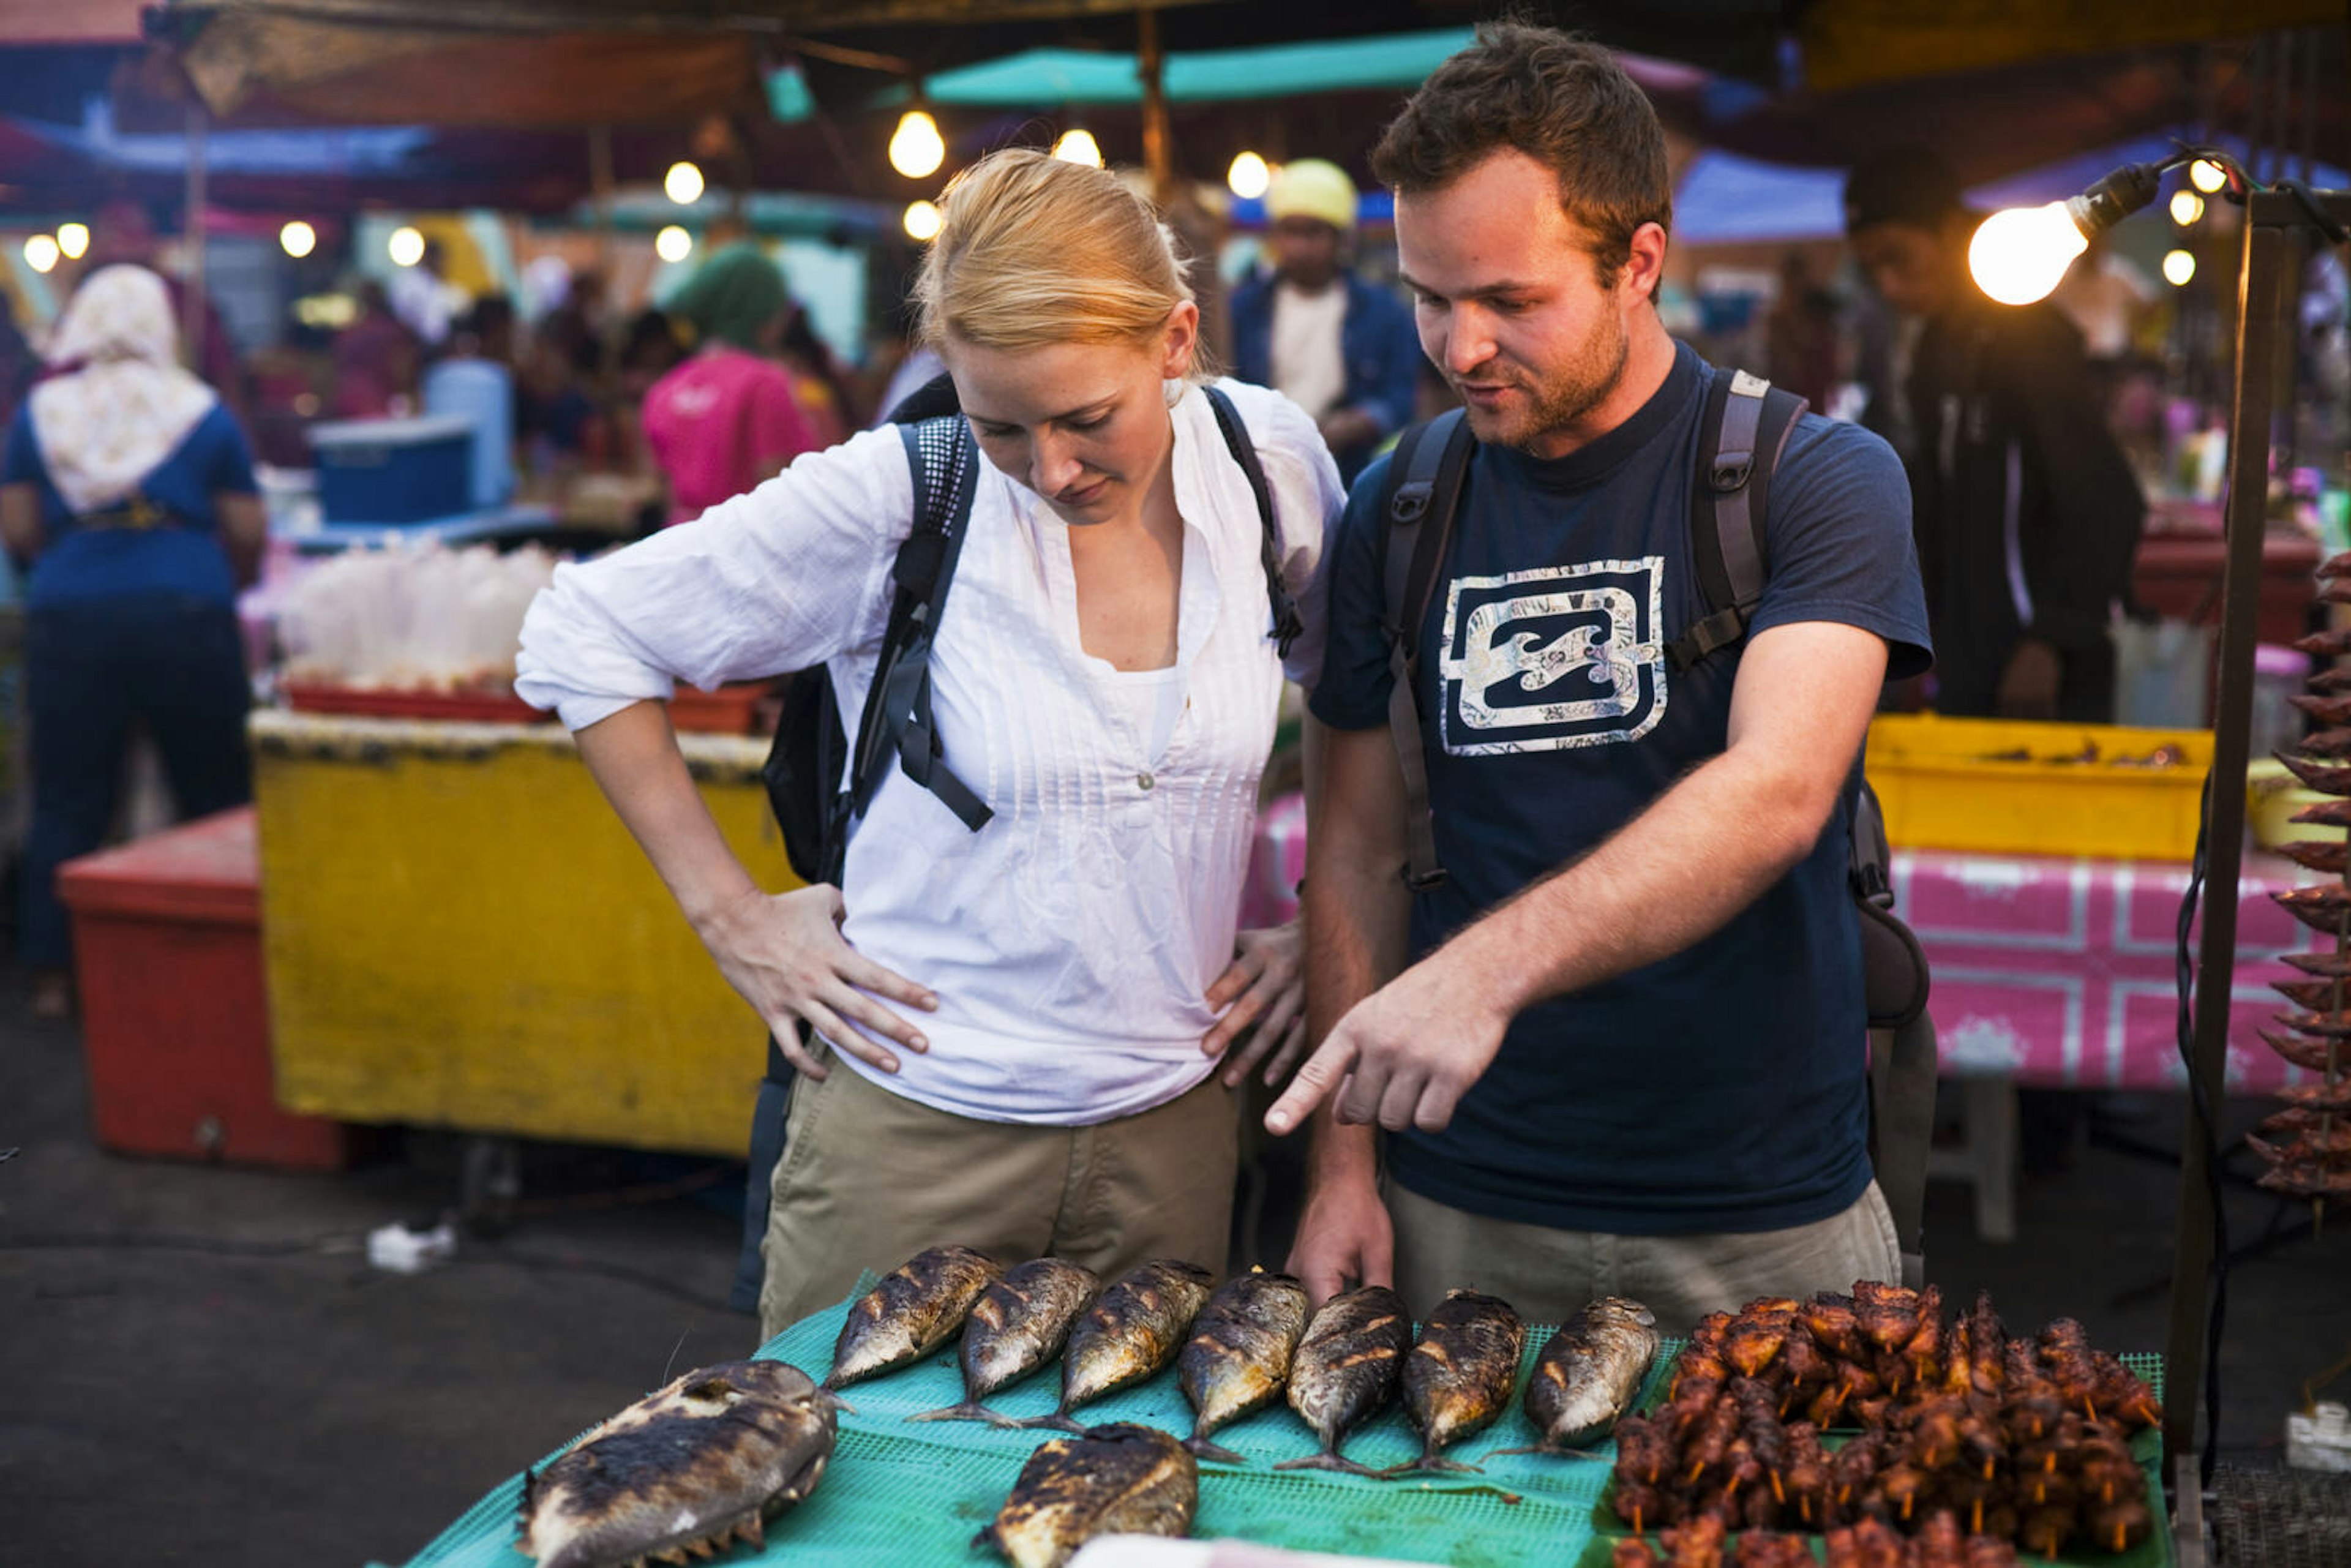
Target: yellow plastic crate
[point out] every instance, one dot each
(1947, 784)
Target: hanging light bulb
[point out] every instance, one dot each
(2206, 176)
(73, 239)
(406, 246)
(916, 147)
(683, 184)
(2187, 206)
(2018, 256)
(41, 252)
(1250, 177)
(2178, 266)
(923, 221)
(673, 243)
(297, 239)
(1078, 145)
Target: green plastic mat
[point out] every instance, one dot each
(900, 1492)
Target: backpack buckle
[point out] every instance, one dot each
(1410, 501)
(1731, 472)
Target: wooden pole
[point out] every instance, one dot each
(1158, 160)
(599, 188)
(192, 294)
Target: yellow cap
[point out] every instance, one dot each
(1312, 188)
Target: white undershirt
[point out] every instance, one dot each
(1309, 367)
(1072, 939)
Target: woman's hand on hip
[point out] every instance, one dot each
(784, 952)
(1264, 995)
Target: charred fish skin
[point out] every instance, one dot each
(1118, 1479)
(1345, 1369)
(1133, 1329)
(918, 1308)
(1238, 1358)
(1461, 1373)
(1018, 1323)
(1588, 1376)
(690, 1468)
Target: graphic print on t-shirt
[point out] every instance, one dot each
(1551, 658)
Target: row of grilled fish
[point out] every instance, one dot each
(1246, 1344)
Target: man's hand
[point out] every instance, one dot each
(1407, 1053)
(1345, 1238)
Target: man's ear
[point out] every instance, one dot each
(1644, 266)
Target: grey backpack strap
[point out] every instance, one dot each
(1424, 480)
(1745, 432)
(1902, 1118)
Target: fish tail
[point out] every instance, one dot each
(1332, 1461)
(1429, 1464)
(1058, 1421)
(1550, 1450)
(969, 1410)
(838, 1402)
(1200, 1448)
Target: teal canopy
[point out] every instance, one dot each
(1078, 77)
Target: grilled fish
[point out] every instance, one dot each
(692, 1467)
(1133, 1330)
(1588, 1375)
(1119, 1480)
(1460, 1377)
(1345, 1368)
(910, 1314)
(1238, 1356)
(1018, 1323)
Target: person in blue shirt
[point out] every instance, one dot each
(1340, 347)
(1620, 1048)
(128, 490)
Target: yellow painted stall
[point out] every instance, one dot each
(458, 932)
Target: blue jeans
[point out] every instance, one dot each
(91, 669)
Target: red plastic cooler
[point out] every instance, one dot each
(176, 1020)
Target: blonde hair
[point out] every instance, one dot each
(1033, 251)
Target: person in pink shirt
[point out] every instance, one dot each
(727, 418)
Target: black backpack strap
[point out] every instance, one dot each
(896, 719)
(1426, 474)
(1287, 625)
(1746, 429)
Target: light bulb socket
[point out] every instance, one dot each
(2114, 197)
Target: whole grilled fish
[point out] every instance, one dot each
(1133, 1330)
(1118, 1479)
(1238, 1356)
(1588, 1375)
(1018, 1323)
(1460, 1377)
(911, 1314)
(1345, 1368)
(690, 1468)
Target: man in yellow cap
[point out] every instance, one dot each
(1343, 349)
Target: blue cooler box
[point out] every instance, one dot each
(393, 470)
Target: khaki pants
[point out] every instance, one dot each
(869, 1178)
(1548, 1275)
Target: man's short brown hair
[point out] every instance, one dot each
(1561, 100)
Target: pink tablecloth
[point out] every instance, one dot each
(2047, 971)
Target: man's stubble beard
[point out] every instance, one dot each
(1582, 384)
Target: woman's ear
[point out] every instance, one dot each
(1181, 341)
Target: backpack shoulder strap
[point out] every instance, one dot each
(1744, 433)
(1422, 495)
(1287, 625)
(945, 465)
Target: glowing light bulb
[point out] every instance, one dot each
(2187, 206)
(923, 221)
(73, 239)
(297, 239)
(673, 243)
(41, 253)
(1078, 145)
(916, 149)
(683, 184)
(2206, 176)
(406, 246)
(1250, 177)
(2178, 266)
(2017, 256)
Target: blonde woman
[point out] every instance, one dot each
(1017, 1030)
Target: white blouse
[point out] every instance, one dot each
(1072, 939)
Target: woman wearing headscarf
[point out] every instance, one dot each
(128, 490)
(729, 417)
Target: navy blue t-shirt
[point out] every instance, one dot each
(81, 564)
(1721, 1089)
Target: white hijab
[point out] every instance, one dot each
(105, 426)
